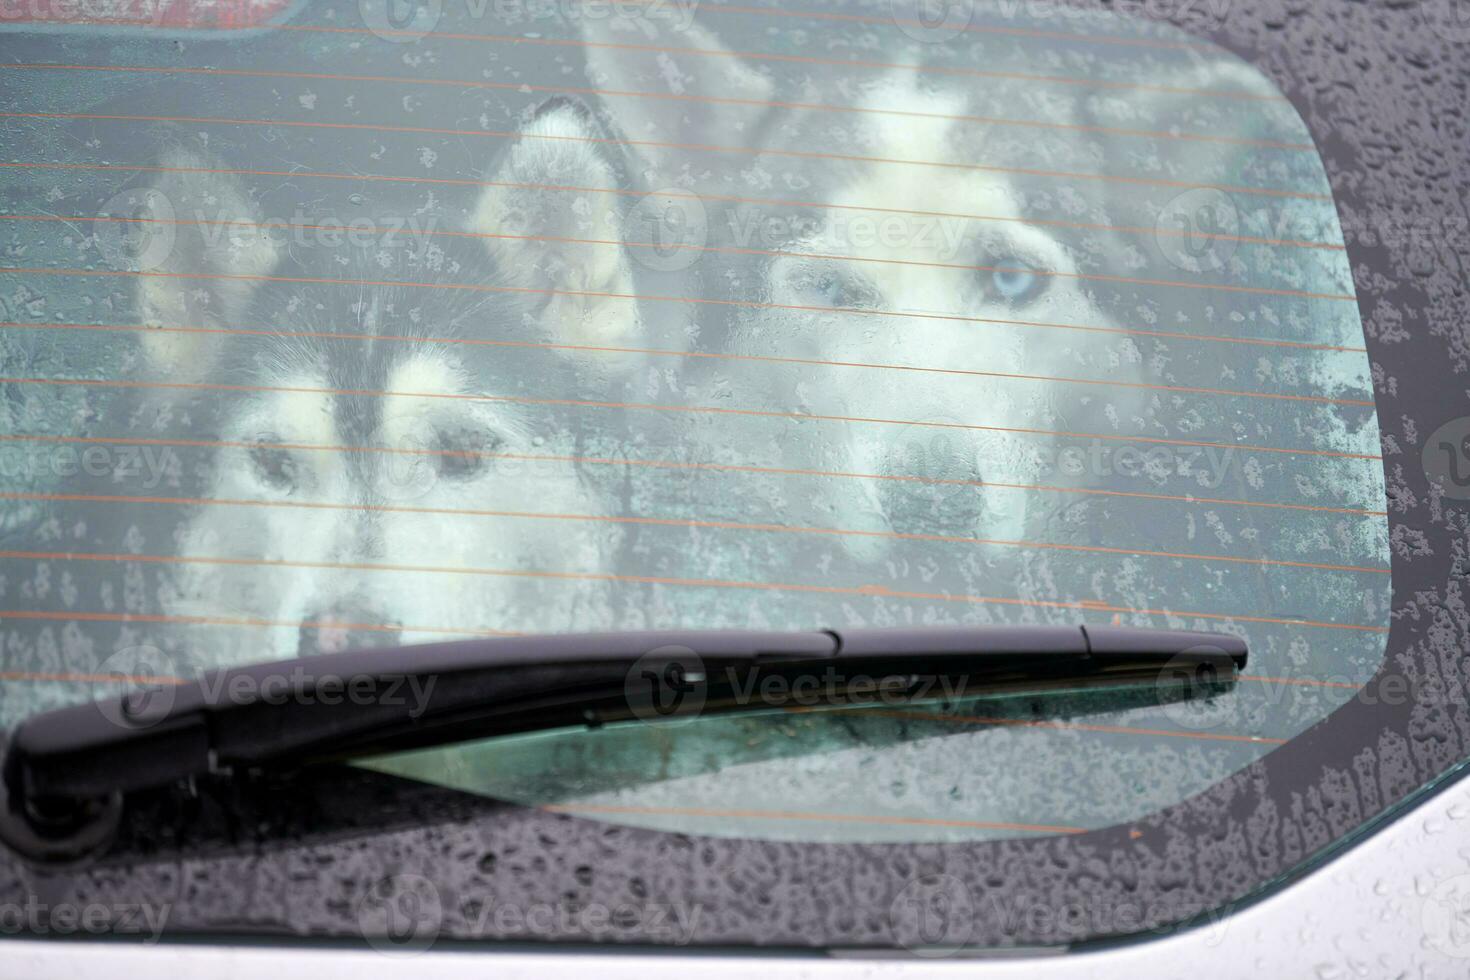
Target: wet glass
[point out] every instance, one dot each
(357, 330)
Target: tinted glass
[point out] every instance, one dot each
(333, 334)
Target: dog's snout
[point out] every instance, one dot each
(347, 626)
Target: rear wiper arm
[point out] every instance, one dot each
(65, 771)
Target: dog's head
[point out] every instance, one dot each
(932, 266)
(953, 293)
(392, 428)
(901, 294)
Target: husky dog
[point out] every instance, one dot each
(383, 426)
(923, 290)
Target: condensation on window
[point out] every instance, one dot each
(614, 317)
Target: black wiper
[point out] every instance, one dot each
(65, 771)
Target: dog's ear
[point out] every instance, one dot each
(1222, 125)
(204, 254)
(551, 217)
(1226, 102)
(712, 97)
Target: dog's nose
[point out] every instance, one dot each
(347, 626)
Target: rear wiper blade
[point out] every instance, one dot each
(66, 770)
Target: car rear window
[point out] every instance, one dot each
(362, 330)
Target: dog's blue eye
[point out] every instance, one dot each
(1014, 280)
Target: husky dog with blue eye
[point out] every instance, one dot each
(390, 438)
(938, 302)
